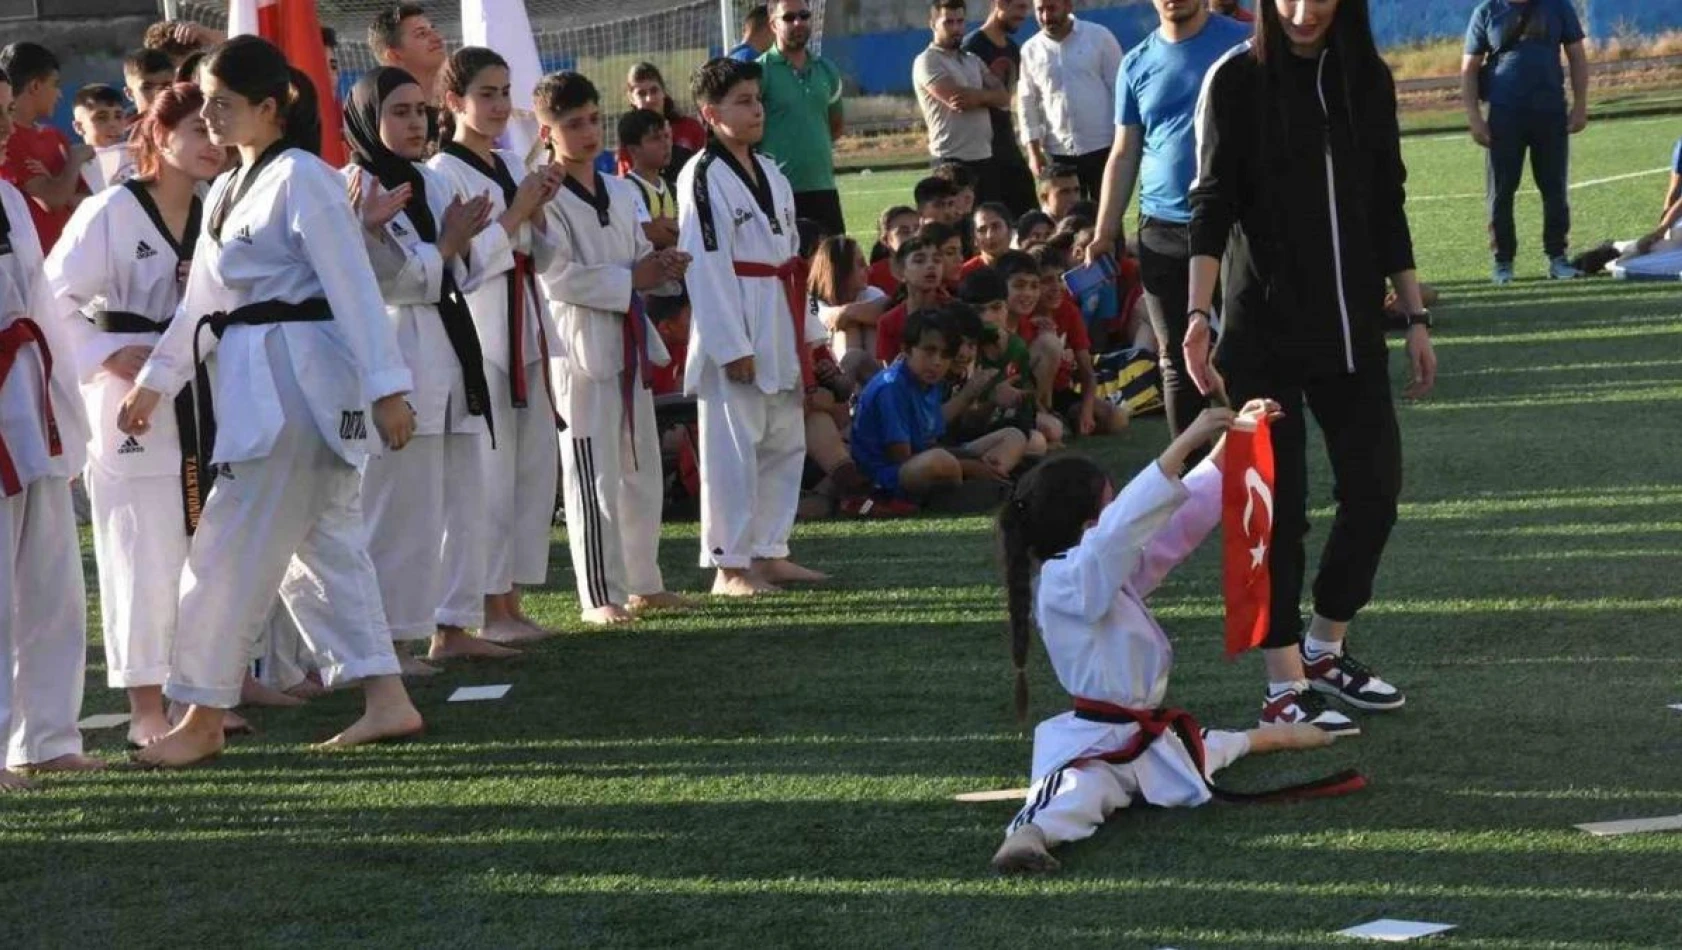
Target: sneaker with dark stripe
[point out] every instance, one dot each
(1297, 705)
(1343, 676)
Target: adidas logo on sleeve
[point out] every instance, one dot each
(143, 251)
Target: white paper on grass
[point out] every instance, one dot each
(1676, 706)
(468, 694)
(1632, 826)
(104, 721)
(1002, 795)
(1395, 931)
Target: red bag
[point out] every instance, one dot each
(1247, 535)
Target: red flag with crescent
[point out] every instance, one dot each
(1247, 535)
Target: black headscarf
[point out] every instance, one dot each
(362, 125)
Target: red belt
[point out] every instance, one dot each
(1153, 723)
(521, 279)
(638, 367)
(792, 274)
(12, 340)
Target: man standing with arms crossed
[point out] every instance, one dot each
(1155, 145)
(998, 50)
(955, 91)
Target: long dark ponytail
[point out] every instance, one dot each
(1046, 515)
(256, 69)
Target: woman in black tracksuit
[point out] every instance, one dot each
(1300, 185)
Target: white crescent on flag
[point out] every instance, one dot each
(1255, 486)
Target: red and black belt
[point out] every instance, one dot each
(1153, 723)
(792, 275)
(522, 280)
(20, 333)
(194, 466)
(638, 368)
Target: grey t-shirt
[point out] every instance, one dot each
(966, 136)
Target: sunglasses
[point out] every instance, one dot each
(798, 17)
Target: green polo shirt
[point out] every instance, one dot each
(797, 104)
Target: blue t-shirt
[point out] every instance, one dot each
(1676, 158)
(1158, 89)
(744, 53)
(894, 407)
(1529, 75)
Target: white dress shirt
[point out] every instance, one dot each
(1066, 96)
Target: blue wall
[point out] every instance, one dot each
(880, 62)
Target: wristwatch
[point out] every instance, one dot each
(1420, 319)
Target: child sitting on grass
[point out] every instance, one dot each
(997, 368)
(1022, 285)
(897, 225)
(1099, 554)
(899, 421)
(919, 266)
(1062, 354)
(992, 225)
(839, 293)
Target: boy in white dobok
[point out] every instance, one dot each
(750, 359)
(43, 636)
(610, 452)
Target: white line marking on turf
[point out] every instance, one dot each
(1395, 931)
(103, 721)
(469, 694)
(1633, 826)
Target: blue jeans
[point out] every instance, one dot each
(1543, 133)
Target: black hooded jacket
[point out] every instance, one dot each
(1300, 183)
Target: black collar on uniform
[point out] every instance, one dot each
(495, 170)
(183, 248)
(759, 186)
(5, 231)
(601, 200)
(232, 194)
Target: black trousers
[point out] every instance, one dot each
(1016, 185)
(985, 171)
(1358, 418)
(823, 207)
(1090, 168)
(1165, 270)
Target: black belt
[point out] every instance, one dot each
(195, 475)
(262, 313)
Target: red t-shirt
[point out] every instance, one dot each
(48, 146)
(890, 334)
(971, 266)
(1071, 326)
(882, 276)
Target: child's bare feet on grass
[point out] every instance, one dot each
(379, 725)
(414, 666)
(307, 688)
(664, 600)
(451, 643)
(739, 583)
(11, 781)
(1025, 852)
(781, 570)
(254, 692)
(147, 728)
(608, 616)
(198, 738)
(1296, 735)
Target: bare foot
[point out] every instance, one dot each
(454, 643)
(379, 726)
(608, 616)
(72, 762)
(664, 600)
(510, 630)
(784, 571)
(1024, 852)
(184, 746)
(145, 730)
(734, 583)
(1296, 735)
(11, 781)
(254, 692)
(233, 724)
(414, 666)
(540, 630)
(308, 688)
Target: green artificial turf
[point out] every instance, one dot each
(780, 773)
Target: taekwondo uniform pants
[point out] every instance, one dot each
(1069, 803)
(140, 541)
(519, 482)
(613, 485)
(290, 522)
(43, 625)
(753, 453)
(426, 533)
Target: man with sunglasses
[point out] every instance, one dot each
(802, 95)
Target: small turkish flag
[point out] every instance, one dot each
(1247, 535)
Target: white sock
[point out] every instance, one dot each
(1314, 646)
(1274, 690)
